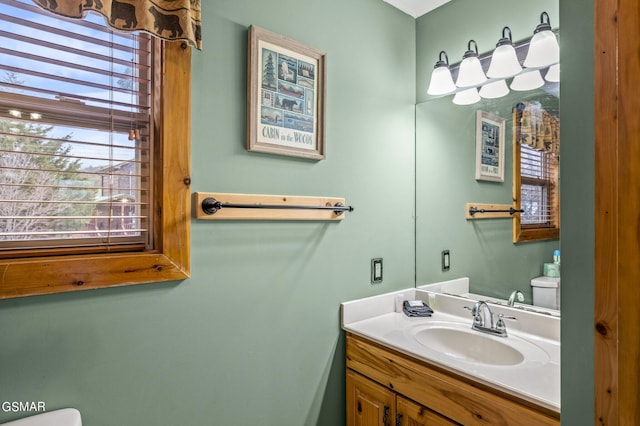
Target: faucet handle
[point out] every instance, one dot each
(475, 312)
(500, 326)
(509, 317)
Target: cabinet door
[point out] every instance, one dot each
(368, 403)
(412, 414)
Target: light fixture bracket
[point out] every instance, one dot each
(471, 53)
(441, 62)
(505, 39)
(543, 26)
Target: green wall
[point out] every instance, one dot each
(254, 336)
(577, 215)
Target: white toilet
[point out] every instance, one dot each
(63, 417)
(546, 292)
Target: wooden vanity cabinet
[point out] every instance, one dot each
(371, 404)
(383, 384)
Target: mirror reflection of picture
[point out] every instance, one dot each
(489, 147)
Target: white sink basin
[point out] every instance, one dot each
(461, 342)
(469, 345)
(64, 417)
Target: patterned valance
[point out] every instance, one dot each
(539, 128)
(166, 19)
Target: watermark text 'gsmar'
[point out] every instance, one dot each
(23, 406)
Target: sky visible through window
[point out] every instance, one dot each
(74, 127)
(70, 69)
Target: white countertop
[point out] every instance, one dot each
(536, 336)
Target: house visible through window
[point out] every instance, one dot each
(536, 189)
(75, 139)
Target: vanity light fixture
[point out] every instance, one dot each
(471, 73)
(543, 48)
(542, 54)
(528, 80)
(494, 90)
(441, 81)
(466, 97)
(504, 61)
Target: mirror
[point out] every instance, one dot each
(446, 156)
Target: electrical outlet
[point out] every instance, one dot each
(376, 270)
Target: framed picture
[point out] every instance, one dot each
(490, 147)
(286, 89)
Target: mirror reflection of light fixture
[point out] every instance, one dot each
(470, 72)
(553, 73)
(35, 116)
(466, 97)
(494, 90)
(441, 82)
(15, 113)
(504, 61)
(543, 48)
(527, 81)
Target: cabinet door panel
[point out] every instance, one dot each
(368, 403)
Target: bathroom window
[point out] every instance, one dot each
(94, 140)
(536, 190)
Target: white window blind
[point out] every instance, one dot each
(75, 133)
(537, 171)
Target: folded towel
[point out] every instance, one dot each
(416, 308)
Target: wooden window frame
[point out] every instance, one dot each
(525, 233)
(170, 259)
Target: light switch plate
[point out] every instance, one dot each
(446, 260)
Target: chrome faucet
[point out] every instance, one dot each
(515, 295)
(482, 314)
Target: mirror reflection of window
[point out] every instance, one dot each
(536, 163)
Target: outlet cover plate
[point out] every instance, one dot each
(376, 270)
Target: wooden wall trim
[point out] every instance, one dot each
(628, 211)
(606, 212)
(616, 344)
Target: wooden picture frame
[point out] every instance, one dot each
(490, 147)
(286, 96)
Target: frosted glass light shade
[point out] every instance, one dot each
(441, 81)
(543, 48)
(466, 97)
(504, 62)
(527, 81)
(553, 73)
(494, 90)
(470, 73)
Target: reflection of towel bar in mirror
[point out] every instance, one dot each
(490, 211)
(268, 207)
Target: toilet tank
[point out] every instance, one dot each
(546, 292)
